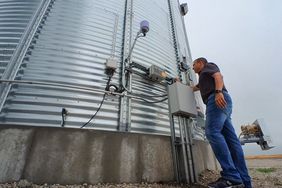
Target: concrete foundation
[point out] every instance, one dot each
(73, 156)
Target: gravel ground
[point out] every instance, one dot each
(26, 184)
(265, 173)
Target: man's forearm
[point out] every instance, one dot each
(218, 79)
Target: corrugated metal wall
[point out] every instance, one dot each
(14, 18)
(71, 47)
(157, 49)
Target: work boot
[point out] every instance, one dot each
(223, 183)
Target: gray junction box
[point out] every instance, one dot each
(182, 100)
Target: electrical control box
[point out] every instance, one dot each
(182, 100)
(157, 74)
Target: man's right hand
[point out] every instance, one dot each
(176, 79)
(220, 101)
(195, 88)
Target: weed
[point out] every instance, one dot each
(266, 170)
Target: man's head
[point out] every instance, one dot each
(198, 64)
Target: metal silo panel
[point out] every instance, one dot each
(14, 18)
(155, 49)
(71, 48)
(184, 50)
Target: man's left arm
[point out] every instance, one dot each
(219, 97)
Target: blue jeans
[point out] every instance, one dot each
(225, 143)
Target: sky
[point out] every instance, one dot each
(244, 38)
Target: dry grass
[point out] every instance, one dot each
(265, 157)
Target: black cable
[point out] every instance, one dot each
(162, 100)
(142, 95)
(108, 82)
(104, 96)
(64, 114)
(138, 94)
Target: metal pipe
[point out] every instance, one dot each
(128, 61)
(183, 146)
(115, 35)
(187, 144)
(74, 87)
(173, 148)
(175, 155)
(189, 122)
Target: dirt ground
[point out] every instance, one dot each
(265, 173)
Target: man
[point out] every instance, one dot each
(219, 129)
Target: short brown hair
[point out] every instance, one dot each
(202, 59)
